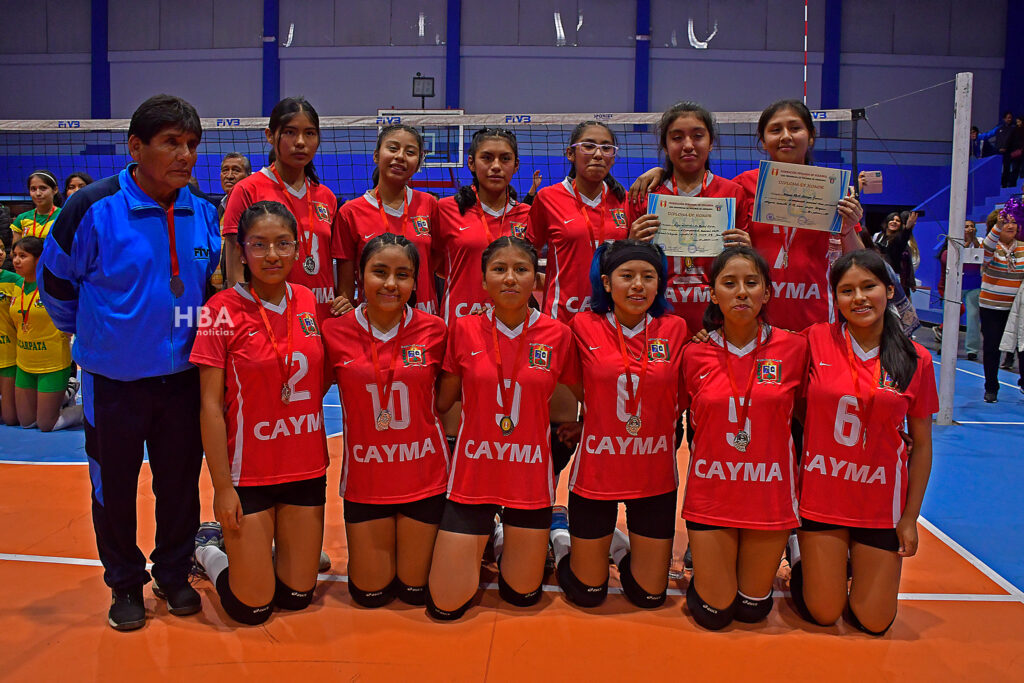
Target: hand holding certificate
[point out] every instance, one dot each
(800, 196)
(692, 226)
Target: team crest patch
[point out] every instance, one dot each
(414, 355)
(308, 325)
(620, 218)
(540, 356)
(658, 351)
(38, 303)
(518, 230)
(769, 371)
(421, 225)
(321, 212)
(888, 383)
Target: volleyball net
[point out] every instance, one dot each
(344, 160)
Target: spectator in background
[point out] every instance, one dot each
(75, 182)
(971, 291)
(978, 145)
(1001, 276)
(1000, 135)
(6, 237)
(233, 167)
(1015, 152)
(893, 241)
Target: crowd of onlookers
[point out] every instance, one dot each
(1005, 139)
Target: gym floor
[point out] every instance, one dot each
(961, 610)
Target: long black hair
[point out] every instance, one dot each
(390, 239)
(283, 112)
(801, 110)
(49, 180)
(256, 211)
(465, 198)
(81, 175)
(604, 255)
(30, 245)
(386, 132)
(614, 186)
(713, 316)
(509, 241)
(899, 358)
(668, 118)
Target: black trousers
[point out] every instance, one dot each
(993, 322)
(162, 414)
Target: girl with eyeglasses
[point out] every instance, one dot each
(261, 375)
(293, 134)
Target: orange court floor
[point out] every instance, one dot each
(957, 619)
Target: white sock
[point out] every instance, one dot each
(31, 426)
(560, 543)
(620, 545)
(498, 540)
(213, 560)
(71, 416)
(794, 550)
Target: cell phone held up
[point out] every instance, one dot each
(872, 182)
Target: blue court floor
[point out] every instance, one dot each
(973, 496)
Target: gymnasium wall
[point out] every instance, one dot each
(353, 56)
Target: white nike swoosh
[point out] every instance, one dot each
(827, 365)
(569, 221)
(593, 348)
(704, 375)
(253, 332)
(465, 227)
(474, 353)
(347, 362)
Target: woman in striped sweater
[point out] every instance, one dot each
(1001, 277)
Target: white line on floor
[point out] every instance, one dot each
(971, 422)
(970, 557)
(974, 374)
(41, 462)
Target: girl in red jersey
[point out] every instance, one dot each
(687, 136)
(261, 369)
(860, 488)
(740, 501)
(505, 365)
(627, 450)
(386, 357)
(293, 134)
(391, 206)
(571, 219)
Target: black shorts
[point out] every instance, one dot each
(304, 493)
(698, 526)
(425, 510)
(883, 539)
(478, 520)
(653, 516)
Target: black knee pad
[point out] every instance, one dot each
(288, 598)
(852, 620)
(575, 590)
(796, 592)
(514, 597)
(410, 595)
(371, 599)
(560, 453)
(750, 610)
(238, 610)
(711, 618)
(442, 614)
(636, 594)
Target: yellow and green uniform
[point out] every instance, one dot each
(42, 348)
(34, 224)
(9, 284)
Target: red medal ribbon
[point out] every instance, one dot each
(865, 404)
(307, 245)
(172, 243)
(384, 392)
(25, 309)
(483, 218)
(283, 363)
(384, 216)
(507, 394)
(632, 397)
(599, 238)
(745, 408)
(35, 216)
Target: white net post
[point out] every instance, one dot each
(954, 270)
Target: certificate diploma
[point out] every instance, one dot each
(800, 196)
(692, 226)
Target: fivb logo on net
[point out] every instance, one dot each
(203, 319)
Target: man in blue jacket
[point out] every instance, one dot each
(126, 270)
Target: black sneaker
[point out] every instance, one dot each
(990, 397)
(127, 610)
(972, 356)
(181, 600)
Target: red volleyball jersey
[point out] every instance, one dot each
(460, 241)
(848, 479)
(269, 441)
(556, 221)
(799, 268)
(358, 221)
(688, 288)
(409, 460)
(489, 467)
(610, 463)
(754, 489)
(262, 186)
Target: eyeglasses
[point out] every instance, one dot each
(261, 249)
(589, 148)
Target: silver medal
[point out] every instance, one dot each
(286, 394)
(177, 286)
(309, 265)
(633, 425)
(741, 441)
(383, 420)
